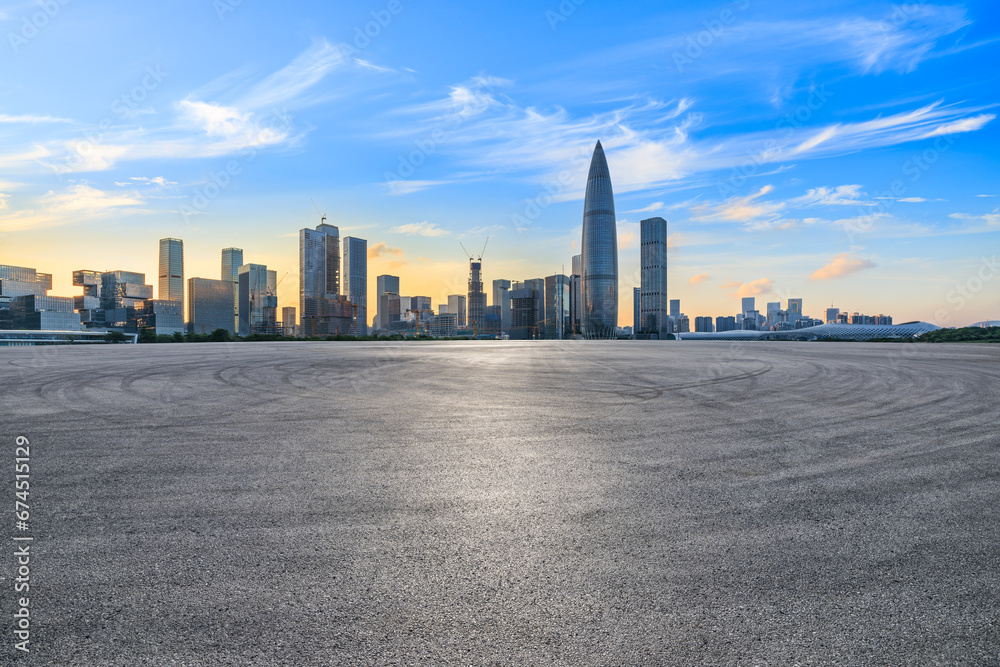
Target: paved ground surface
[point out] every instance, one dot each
(508, 503)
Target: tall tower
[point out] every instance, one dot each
(599, 255)
(232, 260)
(171, 286)
(477, 297)
(319, 274)
(355, 269)
(653, 277)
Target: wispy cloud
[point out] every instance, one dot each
(383, 250)
(700, 278)
(419, 229)
(32, 120)
(738, 289)
(840, 266)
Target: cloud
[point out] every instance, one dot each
(700, 278)
(86, 200)
(959, 126)
(4, 201)
(403, 187)
(652, 208)
(159, 180)
(32, 120)
(740, 209)
(419, 229)
(840, 266)
(991, 219)
(383, 250)
(738, 289)
(842, 195)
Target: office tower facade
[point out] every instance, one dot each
(355, 269)
(258, 307)
(162, 316)
(171, 286)
(653, 276)
(636, 310)
(523, 312)
(675, 309)
(210, 305)
(556, 307)
(477, 298)
(538, 285)
(599, 252)
(748, 305)
(794, 310)
(388, 310)
(232, 260)
(501, 298)
(773, 313)
(288, 321)
(43, 313)
(443, 325)
(832, 315)
(703, 324)
(385, 284)
(319, 276)
(456, 304)
(727, 323)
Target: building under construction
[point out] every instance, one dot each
(476, 296)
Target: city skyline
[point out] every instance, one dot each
(860, 173)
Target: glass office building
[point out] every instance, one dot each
(556, 307)
(210, 305)
(653, 277)
(171, 285)
(232, 260)
(355, 270)
(319, 273)
(599, 256)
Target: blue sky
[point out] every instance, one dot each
(842, 152)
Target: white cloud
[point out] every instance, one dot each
(841, 265)
(962, 125)
(842, 195)
(86, 200)
(419, 229)
(31, 119)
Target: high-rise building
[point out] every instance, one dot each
(748, 305)
(258, 303)
(386, 284)
(523, 312)
(477, 298)
(575, 295)
(556, 307)
(794, 310)
(636, 310)
(725, 323)
(501, 298)
(538, 285)
(599, 252)
(703, 324)
(675, 309)
(832, 315)
(232, 260)
(44, 313)
(773, 310)
(319, 276)
(356, 279)
(388, 310)
(210, 305)
(288, 321)
(171, 287)
(456, 304)
(653, 259)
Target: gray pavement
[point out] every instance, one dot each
(507, 503)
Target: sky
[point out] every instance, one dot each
(845, 153)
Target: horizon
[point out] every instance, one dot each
(859, 175)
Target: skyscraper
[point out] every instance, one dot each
(171, 286)
(258, 308)
(653, 277)
(319, 275)
(232, 260)
(501, 298)
(675, 309)
(456, 304)
(556, 307)
(794, 310)
(477, 298)
(599, 255)
(575, 295)
(356, 279)
(636, 311)
(210, 305)
(749, 303)
(386, 284)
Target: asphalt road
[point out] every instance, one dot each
(506, 503)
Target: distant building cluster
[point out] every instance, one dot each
(333, 294)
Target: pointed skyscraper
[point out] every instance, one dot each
(599, 256)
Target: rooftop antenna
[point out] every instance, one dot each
(322, 215)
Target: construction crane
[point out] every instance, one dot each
(472, 258)
(322, 215)
(417, 313)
